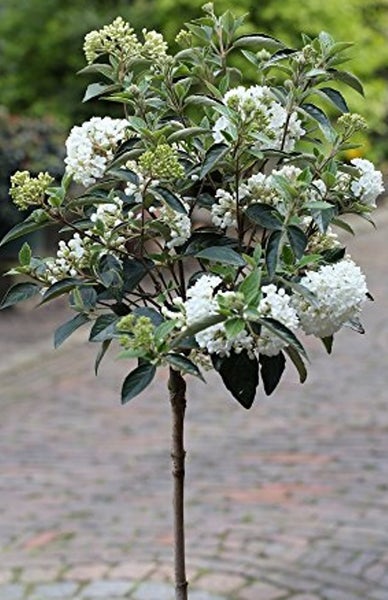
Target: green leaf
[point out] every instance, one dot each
(134, 271)
(152, 314)
(250, 286)
(221, 254)
(196, 328)
(101, 68)
(283, 333)
(328, 343)
(27, 226)
(19, 292)
(25, 255)
(98, 89)
(318, 115)
(171, 199)
(318, 205)
(348, 78)
(336, 98)
(272, 252)
(265, 215)
(110, 271)
(164, 329)
(186, 133)
(343, 225)
(212, 158)
(298, 362)
(298, 240)
(234, 326)
(261, 40)
(104, 328)
(100, 355)
(64, 331)
(137, 381)
(240, 375)
(59, 288)
(183, 364)
(272, 368)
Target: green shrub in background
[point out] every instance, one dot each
(46, 34)
(26, 144)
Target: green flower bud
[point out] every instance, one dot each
(161, 163)
(27, 191)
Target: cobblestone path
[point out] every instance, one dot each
(286, 501)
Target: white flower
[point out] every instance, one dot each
(224, 212)
(91, 146)
(340, 290)
(178, 223)
(275, 303)
(370, 183)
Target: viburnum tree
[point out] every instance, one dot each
(198, 228)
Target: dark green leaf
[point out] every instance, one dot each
(272, 368)
(336, 98)
(272, 252)
(328, 343)
(318, 115)
(104, 328)
(83, 298)
(151, 313)
(27, 226)
(134, 271)
(64, 331)
(203, 239)
(196, 328)
(137, 381)
(188, 132)
(347, 78)
(298, 362)
(171, 199)
(19, 292)
(59, 288)
(334, 255)
(124, 175)
(101, 353)
(298, 240)
(265, 215)
(183, 364)
(221, 254)
(283, 333)
(212, 158)
(101, 68)
(250, 286)
(240, 375)
(110, 271)
(343, 225)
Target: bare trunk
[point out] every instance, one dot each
(177, 388)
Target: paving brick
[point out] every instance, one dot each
(220, 582)
(151, 591)
(11, 592)
(105, 589)
(261, 591)
(54, 591)
(39, 575)
(132, 570)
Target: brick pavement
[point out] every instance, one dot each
(286, 502)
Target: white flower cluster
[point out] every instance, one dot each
(178, 223)
(259, 110)
(107, 218)
(224, 212)
(91, 146)
(136, 190)
(69, 260)
(340, 291)
(370, 183)
(203, 301)
(275, 303)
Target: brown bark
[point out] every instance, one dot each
(177, 388)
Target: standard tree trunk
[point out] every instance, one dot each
(177, 388)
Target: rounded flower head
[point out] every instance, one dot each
(118, 39)
(27, 191)
(340, 291)
(369, 185)
(91, 146)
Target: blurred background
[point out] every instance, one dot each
(41, 52)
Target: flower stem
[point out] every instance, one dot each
(177, 389)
